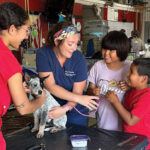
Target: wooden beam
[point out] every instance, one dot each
(139, 7)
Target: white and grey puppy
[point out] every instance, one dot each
(35, 84)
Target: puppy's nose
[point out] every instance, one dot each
(39, 92)
(35, 85)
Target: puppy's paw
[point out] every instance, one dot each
(40, 135)
(34, 129)
(55, 129)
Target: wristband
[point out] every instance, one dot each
(66, 107)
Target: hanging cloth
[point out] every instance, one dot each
(90, 48)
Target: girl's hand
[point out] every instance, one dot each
(96, 91)
(27, 90)
(93, 91)
(124, 86)
(56, 112)
(111, 97)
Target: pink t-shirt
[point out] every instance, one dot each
(107, 117)
(138, 103)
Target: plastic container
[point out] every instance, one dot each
(79, 140)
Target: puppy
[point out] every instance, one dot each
(35, 84)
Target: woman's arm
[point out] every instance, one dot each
(56, 112)
(62, 93)
(19, 97)
(78, 88)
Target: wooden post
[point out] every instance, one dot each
(138, 9)
(28, 11)
(136, 19)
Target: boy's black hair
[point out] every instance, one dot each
(143, 67)
(12, 14)
(116, 40)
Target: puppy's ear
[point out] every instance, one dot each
(27, 77)
(42, 80)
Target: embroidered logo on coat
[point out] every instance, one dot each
(69, 73)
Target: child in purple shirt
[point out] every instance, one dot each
(107, 74)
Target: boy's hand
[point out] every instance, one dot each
(111, 97)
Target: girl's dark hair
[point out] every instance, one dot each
(116, 40)
(12, 14)
(143, 65)
(56, 28)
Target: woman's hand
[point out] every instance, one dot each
(111, 97)
(88, 101)
(56, 112)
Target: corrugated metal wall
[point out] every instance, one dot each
(147, 12)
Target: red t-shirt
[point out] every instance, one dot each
(138, 103)
(8, 67)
